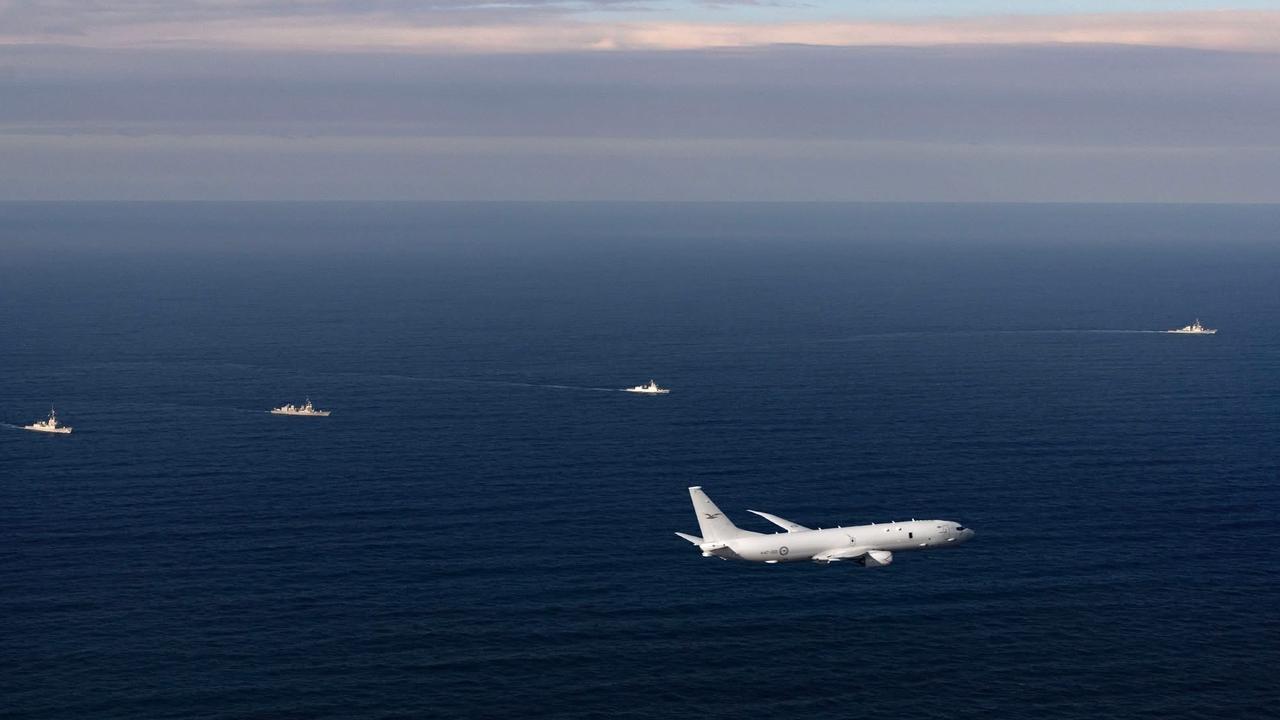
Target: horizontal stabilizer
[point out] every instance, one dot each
(783, 523)
(691, 538)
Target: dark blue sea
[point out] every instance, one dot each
(483, 528)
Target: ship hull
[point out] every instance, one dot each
(51, 431)
(318, 413)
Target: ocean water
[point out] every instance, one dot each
(484, 526)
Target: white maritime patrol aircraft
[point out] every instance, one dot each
(866, 545)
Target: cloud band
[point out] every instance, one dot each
(1255, 31)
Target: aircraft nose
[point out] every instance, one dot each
(967, 533)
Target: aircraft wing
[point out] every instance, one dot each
(783, 523)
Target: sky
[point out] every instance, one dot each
(860, 100)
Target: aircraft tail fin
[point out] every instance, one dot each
(713, 523)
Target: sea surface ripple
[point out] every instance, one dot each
(480, 531)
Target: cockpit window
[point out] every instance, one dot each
(959, 528)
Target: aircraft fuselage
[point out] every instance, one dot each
(866, 545)
(806, 544)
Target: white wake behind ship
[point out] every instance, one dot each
(1194, 328)
(49, 426)
(306, 409)
(650, 389)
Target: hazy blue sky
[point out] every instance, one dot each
(638, 99)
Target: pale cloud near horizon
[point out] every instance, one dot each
(1044, 123)
(524, 27)
(538, 100)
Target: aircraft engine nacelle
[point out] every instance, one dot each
(876, 558)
